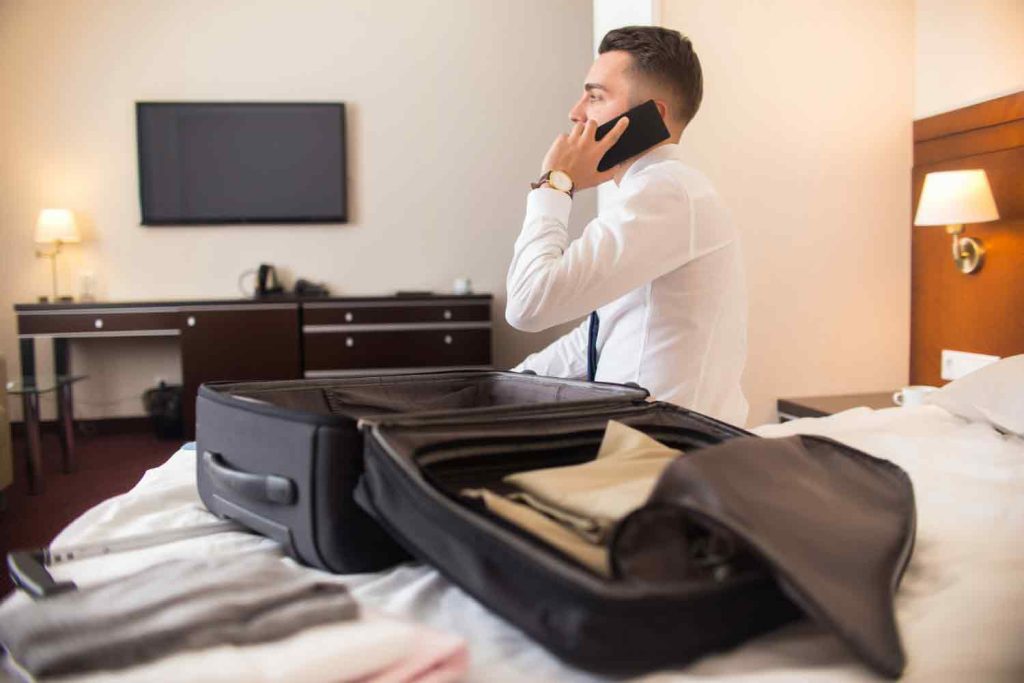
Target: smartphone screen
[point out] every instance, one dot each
(645, 130)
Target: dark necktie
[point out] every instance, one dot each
(595, 322)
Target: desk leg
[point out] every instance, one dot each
(61, 357)
(65, 405)
(27, 350)
(30, 408)
(66, 417)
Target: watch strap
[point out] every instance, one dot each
(540, 181)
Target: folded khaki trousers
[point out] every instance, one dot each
(574, 508)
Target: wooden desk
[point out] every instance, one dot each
(822, 406)
(276, 338)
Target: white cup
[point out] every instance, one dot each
(87, 286)
(912, 395)
(462, 285)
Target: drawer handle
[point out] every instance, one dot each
(348, 317)
(350, 342)
(447, 314)
(98, 323)
(191, 321)
(447, 339)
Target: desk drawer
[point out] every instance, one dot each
(411, 312)
(396, 349)
(97, 322)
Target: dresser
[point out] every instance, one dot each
(276, 338)
(823, 406)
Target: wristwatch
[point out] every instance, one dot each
(556, 180)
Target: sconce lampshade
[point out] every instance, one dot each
(57, 225)
(956, 197)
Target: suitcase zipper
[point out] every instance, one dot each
(453, 452)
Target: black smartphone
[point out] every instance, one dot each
(645, 130)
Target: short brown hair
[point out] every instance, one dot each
(665, 57)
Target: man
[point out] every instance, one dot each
(660, 269)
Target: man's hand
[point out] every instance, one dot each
(578, 153)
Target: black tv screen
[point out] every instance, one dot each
(216, 162)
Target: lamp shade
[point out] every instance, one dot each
(57, 225)
(956, 197)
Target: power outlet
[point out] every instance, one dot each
(956, 364)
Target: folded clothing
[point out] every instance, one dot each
(431, 657)
(371, 649)
(170, 607)
(590, 555)
(575, 508)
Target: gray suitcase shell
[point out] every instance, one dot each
(283, 458)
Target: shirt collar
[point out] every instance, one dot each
(653, 156)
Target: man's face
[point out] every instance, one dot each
(606, 91)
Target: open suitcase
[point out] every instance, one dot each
(813, 527)
(351, 474)
(283, 458)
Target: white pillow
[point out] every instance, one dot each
(993, 394)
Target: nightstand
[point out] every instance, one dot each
(821, 406)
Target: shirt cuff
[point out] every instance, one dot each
(545, 201)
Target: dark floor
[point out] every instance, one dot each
(108, 464)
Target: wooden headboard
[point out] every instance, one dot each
(982, 312)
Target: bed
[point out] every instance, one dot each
(960, 606)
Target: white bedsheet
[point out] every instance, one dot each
(960, 607)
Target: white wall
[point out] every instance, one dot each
(806, 129)
(612, 14)
(451, 106)
(967, 51)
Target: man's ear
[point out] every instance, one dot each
(662, 110)
(674, 132)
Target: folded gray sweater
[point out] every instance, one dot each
(173, 606)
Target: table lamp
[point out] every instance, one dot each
(56, 227)
(953, 198)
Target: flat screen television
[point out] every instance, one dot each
(218, 162)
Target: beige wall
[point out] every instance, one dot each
(451, 107)
(805, 130)
(967, 51)
(612, 14)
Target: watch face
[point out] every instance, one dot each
(560, 180)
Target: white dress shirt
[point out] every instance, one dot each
(662, 267)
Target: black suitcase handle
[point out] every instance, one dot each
(261, 488)
(27, 568)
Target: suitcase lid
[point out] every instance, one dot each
(337, 401)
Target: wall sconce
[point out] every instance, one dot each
(56, 227)
(953, 198)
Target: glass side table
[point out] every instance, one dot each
(30, 389)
